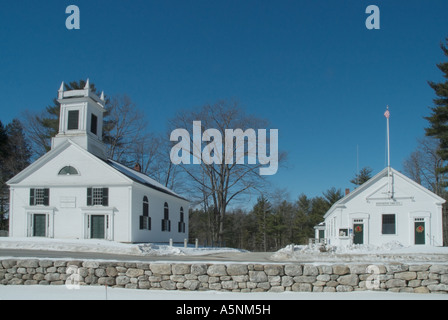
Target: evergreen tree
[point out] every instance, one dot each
(3, 175)
(3, 141)
(332, 195)
(438, 121)
(363, 176)
(319, 207)
(262, 211)
(18, 147)
(45, 126)
(14, 157)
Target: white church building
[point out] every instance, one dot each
(75, 192)
(388, 207)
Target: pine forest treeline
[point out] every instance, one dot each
(271, 224)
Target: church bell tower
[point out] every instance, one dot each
(81, 119)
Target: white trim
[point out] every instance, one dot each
(426, 216)
(109, 223)
(49, 219)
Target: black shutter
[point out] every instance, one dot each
(149, 223)
(163, 225)
(169, 225)
(32, 197)
(46, 197)
(141, 222)
(105, 197)
(89, 197)
(179, 227)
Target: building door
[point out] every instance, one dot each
(419, 232)
(39, 225)
(321, 235)
(97, 230)
(358, 230)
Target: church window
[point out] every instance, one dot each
(73, 120)
(145, 219)
(98, 197)
(166, 223)
(94, 124)
(181, 222)
(388, 224)
(68, 171)
(39, 197)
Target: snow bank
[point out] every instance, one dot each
(390, 251)
(105, 246)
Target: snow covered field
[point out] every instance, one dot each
(104, 246)
(102, 293)
(389, 252)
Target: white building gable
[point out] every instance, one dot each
(73, 191)
(386, 208)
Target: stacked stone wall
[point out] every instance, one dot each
(419, 278)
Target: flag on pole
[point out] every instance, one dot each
(387, 113)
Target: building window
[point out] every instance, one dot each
(166, 223)
(39, 197)
(73, 120)
(388, 224)
(145, 219)
(68, 171)
(94, 124)
(98, 197)
(181, 222)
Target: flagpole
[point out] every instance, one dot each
(389, 175)
(388, 141)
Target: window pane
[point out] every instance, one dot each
(388, 224)
(93, 124)
(97, 197)
(68, 170)
(145, 206)
(73, 119)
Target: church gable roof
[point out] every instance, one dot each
(142, 178)
(123, 175)
(379, 191)
(49, 165)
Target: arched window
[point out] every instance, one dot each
(68, 171)
(166, 223)
(145, 206)
(166, 212)
(145, 219)
(181, 227)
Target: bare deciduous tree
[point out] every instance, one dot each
(126, 127)
(424, 164)
(221, 183)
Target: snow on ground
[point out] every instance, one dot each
(391, 251)
(38, 292)
(105, 246)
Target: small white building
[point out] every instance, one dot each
(388, 207)
(75, 192)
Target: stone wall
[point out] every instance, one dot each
(422, 278)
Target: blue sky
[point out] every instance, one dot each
(311, 67)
